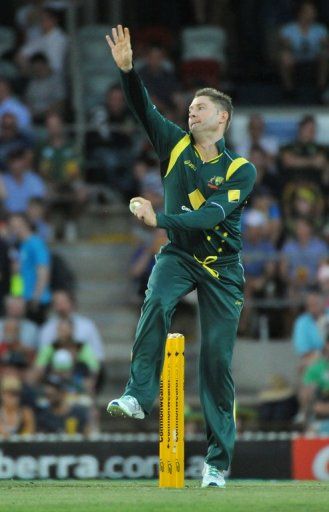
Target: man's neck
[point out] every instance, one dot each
(207, 147)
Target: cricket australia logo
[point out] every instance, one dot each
(215, 182)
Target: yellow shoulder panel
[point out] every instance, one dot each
(234, 166)
(178, 150)
(196, 199)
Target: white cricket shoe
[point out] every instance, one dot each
(126, 406)
(212, 477)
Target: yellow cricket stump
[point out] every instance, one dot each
(171, 432)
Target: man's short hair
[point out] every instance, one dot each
(39, 57)
(17, 154)
(23, 217)
(306, 120)
(220, 99)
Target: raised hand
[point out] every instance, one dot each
(121, 48)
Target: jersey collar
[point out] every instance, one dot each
(220, 144)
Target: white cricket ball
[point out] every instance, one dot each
(134, 205)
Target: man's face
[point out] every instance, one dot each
(307, 132)
(204, 115)
(15, 307)
(54, 125)
(53, 395)
(17, 226)
(40, 69)
(326, 350)
(315, 305)
(4, 90)
(115, 100)
(307, 13)
(8, 126)
(62, 304)
(17, 166)
(256, 126)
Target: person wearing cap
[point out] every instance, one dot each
(59, 415)
(206, 187)
(310, 329)
(70, 355)
(14, 418)
(258, 260)
(314, 393)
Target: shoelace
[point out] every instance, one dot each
(214, 472)
(133, 401)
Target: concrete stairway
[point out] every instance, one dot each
(100, 261)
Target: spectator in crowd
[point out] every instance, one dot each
(159, 78)
(15, 309)
(303, 201)
(263, 201)
(259, 263)
(5, 270)
(143, 260)
(9, 104)
(277, 404)
(11, 346)
(53, 43)
(304, 160)
(36, 213)
(59, 416)
(81, 363)
(28, 19)
(20, 182)
(45, 90)
(323, 281)
(11, 138)
(84, 329)
(14, 418)
(60, 166)
(34, 267)
(310, 330)
(110, 143)
(148, 180)
(257, 138)
(203, 55)
(301, 256)
(304, 43)
(314, 394)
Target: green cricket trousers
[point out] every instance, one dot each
(220, 297)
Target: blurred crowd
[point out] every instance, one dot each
(51, 357)
(49, 372)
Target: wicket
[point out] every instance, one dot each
(171, 432)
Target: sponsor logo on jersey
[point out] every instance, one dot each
(189, 164)
(215, 182)
(185, 208)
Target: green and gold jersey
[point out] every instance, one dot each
(203, 200)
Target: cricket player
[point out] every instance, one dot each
(206, 187)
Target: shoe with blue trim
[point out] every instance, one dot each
(212, 477)
(126, 406)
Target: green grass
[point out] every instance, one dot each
(127, 496)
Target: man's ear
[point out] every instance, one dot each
(223, 117)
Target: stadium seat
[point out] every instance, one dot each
(200, 73)
(95, 85)
(99, 71)
(205, 42)
(148, 36)
(97, 31)
(7, 39)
